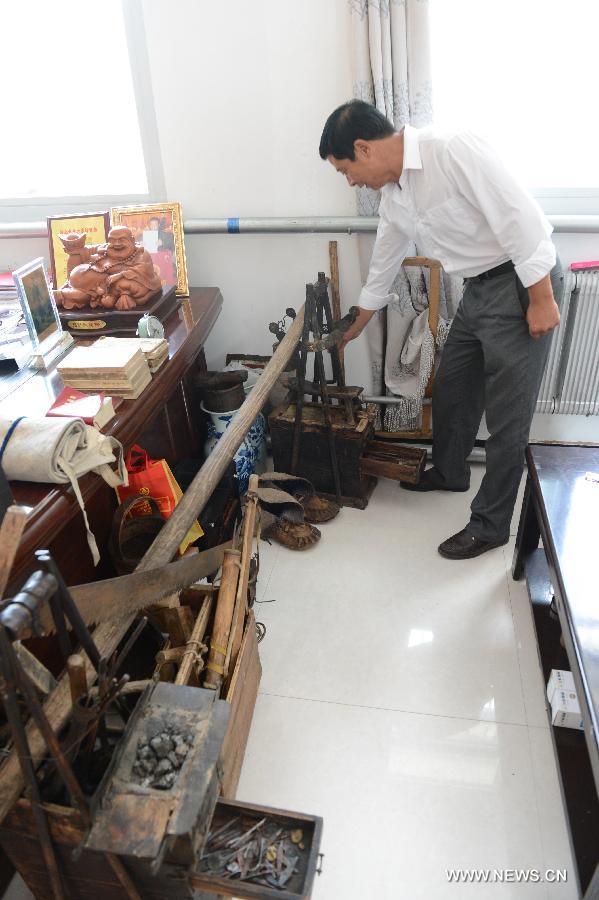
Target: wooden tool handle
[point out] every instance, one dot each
(11, 530)
(247, 546)
(190, 652)
(223, 617)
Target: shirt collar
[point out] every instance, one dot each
(411, 152)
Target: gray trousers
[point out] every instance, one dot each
(489, 362)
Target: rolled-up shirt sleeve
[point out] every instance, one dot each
(513, 215)
(390, 249)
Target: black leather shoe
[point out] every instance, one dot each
(464, 545)
(428, 482)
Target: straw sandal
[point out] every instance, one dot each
(316, 509)
(288, 526)
(292, 535)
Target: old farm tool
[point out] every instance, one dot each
(20, 616)
(327, 335)
(161, 787)
(115, 598)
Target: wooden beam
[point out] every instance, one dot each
(223, 620)
(335, 295)
(241, 607)
(190, 652)
(11, 530)
(201, 488)
(43, 680)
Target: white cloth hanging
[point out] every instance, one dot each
(58, 451)
(403, 350)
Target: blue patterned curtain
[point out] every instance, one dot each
(391, 58)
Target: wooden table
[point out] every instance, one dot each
(163, 419)
(561, 505)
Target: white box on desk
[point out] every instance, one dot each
(560, 679)
(565, 710)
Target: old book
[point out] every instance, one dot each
(106, 376)
(94, 409)
(117, 366)
(117, 357)
(152, 348)
(128, 389)
(155, 350)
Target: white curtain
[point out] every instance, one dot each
(391, 59)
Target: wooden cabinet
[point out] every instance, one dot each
(164, 419)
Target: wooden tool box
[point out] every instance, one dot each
(314, 461)
(361, 459)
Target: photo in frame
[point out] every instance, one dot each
(39, 306)
(94, 225)
(159, 227)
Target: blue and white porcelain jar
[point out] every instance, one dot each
(251, 456)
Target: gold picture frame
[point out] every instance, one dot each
(159, 227)
(94, 225)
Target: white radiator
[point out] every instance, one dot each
(571, 380)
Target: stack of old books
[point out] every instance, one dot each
(155, 350)
(118, 367)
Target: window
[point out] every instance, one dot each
(72, 130)
(522, 73)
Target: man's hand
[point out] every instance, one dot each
(362, 320)
(542, 315)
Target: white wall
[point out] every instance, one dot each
(241, 92)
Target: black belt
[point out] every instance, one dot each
(503, 269)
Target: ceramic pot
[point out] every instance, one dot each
(251, 456)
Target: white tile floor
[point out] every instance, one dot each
(402, 700)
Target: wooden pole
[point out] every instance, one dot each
(247, 546)
(108, 635)
(201, 488)
(13, 525)
(189, 653)
(42, 680)
(335, 295)
(334, 263)
(77, 677)
(223, 620)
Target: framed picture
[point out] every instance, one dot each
(38, 304)
(94, 225)
(159, 227)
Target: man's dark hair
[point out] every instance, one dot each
(351, 122)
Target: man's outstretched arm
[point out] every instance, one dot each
(363, 318)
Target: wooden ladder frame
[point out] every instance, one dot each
(426, 431)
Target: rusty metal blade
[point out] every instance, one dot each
(116, 598)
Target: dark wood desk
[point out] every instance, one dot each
(164, 419)
(561, 505)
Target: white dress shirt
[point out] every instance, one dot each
(460, 205)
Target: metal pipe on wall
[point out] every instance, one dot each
(296, 225)
(293, 225)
